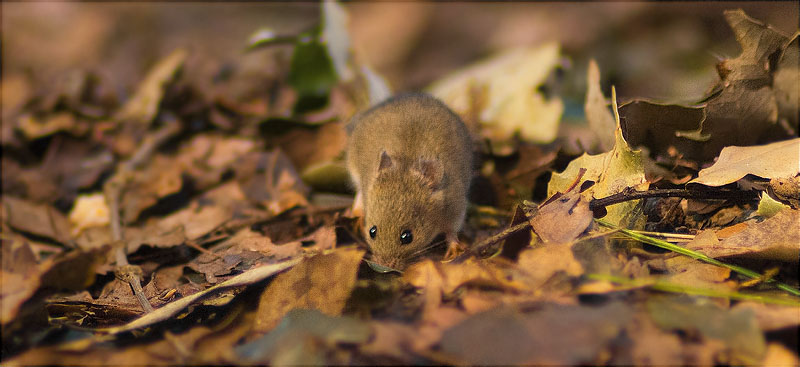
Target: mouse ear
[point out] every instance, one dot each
(431, 172)
(386, 161)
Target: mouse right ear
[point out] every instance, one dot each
(386, 161)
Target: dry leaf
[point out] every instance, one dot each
(321, 282)
(776, 160)
(776, 238)
(509, 337)
(514, 105)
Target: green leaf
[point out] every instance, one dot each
(311, 72)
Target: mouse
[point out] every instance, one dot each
(410, 162)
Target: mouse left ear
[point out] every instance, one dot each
(431, 172)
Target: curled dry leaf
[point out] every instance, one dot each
(743, 109)
(775, 160)
(562, 220)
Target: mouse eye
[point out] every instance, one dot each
(372, 232)
(406, 237)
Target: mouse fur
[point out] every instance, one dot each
(410, 160)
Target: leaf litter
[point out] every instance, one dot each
(227, 230)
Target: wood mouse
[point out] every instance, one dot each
(410, 159)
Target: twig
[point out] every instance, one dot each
(491, 240)
(112, 191)
(598, 205)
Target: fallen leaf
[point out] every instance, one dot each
(70, 271)
(322, 282)
(600, 119)
(779, 355)
(285, 344)
(562, 220)
(785, 82)
(514, 105)
(35, 128)
(772, 317)
(90, 210)
(786, 189)
(612, 172)
(693, 273)
(142, 107)
(775, 160)
(653, 346)
(741, 110)
(510, 337)
(271, 180)
(738, 329)
(776, 238)
(544, 262)
(38, 219)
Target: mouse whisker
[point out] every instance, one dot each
(426, 249)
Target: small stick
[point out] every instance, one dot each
(491, 240)
(112, 191)
(631, 194)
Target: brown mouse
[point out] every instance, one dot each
(410, 159)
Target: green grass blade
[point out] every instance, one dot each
(679, 288)
(698, 256)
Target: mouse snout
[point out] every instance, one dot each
(389, 261)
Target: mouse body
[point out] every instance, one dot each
(410, 160)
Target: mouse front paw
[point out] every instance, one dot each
(454, 248)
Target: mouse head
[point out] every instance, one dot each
(404, 210)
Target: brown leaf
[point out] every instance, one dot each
(776, 238)
(772, 317)
(544, 262)
(510, 337)
(776, 160)
(785, 82)
(321, 282)
(41, 220)
(562, 220)
(743, 340)
(652, 346)
(71, 271)
(742, 110)
(693, 273)
(271, 180)
(143, 106)
(779, 355)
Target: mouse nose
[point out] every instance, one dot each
(388, 261)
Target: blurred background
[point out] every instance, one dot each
(654, 50)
